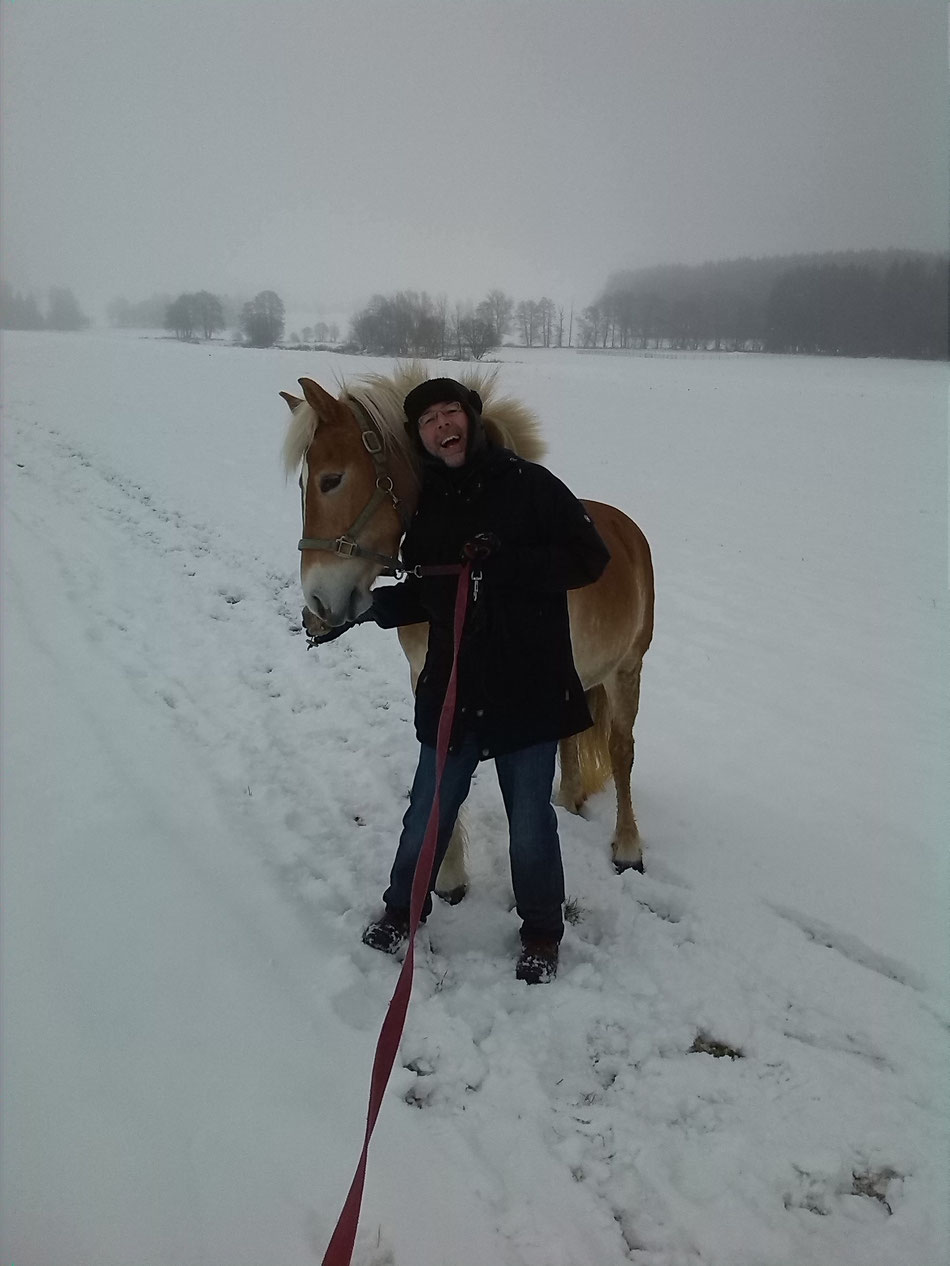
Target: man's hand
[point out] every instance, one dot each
(481, 547)
(318, 632)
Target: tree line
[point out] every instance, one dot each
(414, 323)
(21, 311)
(323, 336)
(874, 303)
(202, 315)
(849, 310)
(871, 303)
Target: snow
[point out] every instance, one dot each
(199, 815)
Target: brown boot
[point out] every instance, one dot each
(537, 962)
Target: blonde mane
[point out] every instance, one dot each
(507, 421)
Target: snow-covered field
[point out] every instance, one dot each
(199, 815)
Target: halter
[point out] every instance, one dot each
(347, 545)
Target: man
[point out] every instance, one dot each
(531, 541)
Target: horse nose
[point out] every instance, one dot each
(317, 607)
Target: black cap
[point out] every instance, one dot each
(438, 391)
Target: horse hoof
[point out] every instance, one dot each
(454, 895)
(572, 805)
(620, 867)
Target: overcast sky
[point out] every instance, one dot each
(329, 150)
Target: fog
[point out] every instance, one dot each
(329, 151)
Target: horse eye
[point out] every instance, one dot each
(329, 482)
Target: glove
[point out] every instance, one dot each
(312, 626)
(481, 547)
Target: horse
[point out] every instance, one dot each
(359, 480)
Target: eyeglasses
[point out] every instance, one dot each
(438, 411)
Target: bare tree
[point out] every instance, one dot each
(457, 330)
(546, 310)
(528, 318)
(498, 308)
(442, 317)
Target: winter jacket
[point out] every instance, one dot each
(517, 684)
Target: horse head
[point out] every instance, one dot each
(355, 479)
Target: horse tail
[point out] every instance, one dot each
(593, 745)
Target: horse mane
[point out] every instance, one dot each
(507, 421)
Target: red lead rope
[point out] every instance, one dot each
(340, 1249)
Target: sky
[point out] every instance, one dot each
(331, 151)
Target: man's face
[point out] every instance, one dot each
(443, 429)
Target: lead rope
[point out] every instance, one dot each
(340, 1249)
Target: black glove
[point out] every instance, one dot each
(312, 626)
(481, 547)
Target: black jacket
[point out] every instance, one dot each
(517, 684)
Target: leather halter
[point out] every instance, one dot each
(347, 545)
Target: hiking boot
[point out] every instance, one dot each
(537, 962)
(389, 933)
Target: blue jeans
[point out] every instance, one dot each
(526, 778)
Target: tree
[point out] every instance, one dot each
(482, 336)
(263, 319)
(546, 314)
(209, 312)
(403, 324)
(64, 312)
(457, 330)
(496, 308)
(528, 318)
(472, 332)
(147, 314)
(182, 317)
(19, 312)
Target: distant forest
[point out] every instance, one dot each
(855, 303)
(23, 312)
(858, 303)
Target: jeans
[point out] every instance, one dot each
(526, 778)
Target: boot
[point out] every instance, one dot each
(537, 962)
(389, 933)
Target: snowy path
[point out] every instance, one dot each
(198, 816)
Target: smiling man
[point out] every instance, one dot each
(530, 540)
(443, 430)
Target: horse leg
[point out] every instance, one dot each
(451, 883)
(623, 691)
(571, 794)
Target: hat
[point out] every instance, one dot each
(438, 391)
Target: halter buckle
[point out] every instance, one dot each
(371, 442)
(345, 546)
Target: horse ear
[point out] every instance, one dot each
(319, 400)
(292, 401)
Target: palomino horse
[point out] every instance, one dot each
(359, 484)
